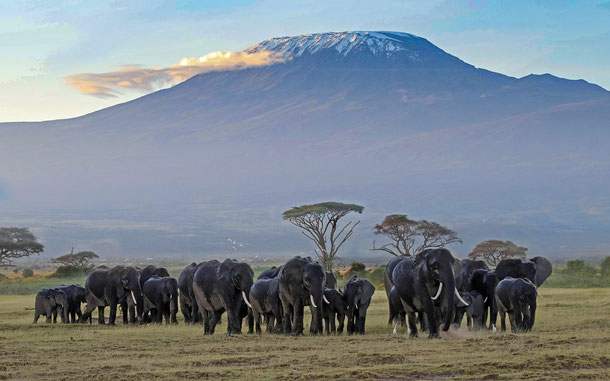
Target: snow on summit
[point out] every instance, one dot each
(376, 42)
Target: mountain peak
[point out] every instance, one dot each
(375, 42)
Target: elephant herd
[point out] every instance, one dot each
(435, 290)
(430, 291)
(207, 290)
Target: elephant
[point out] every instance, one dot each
(113, 287)
(397, 310)
(188, 304)
(544, 269)
(331, 280)
(358, 293)
(222, 287)
(468, 267)
(269, 273)
(265, 300)
(475, 310)
(388, 284)
(517, 297)
(485, 282)
(426, 279)
(48, 302)
(161, 296)
(516, 268)
(334, 307)
(75, 294)
(301, 282)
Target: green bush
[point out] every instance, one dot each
(605, 269)
(3, 277)
(68, 271)
(357, 267)
(27, 273)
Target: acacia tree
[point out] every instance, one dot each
(320, 223)
(410, 236)
(493, 251)
(80, 259)
(17, 243)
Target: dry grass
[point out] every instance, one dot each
(571, 340)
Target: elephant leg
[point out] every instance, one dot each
(257, 323)
(195, 309)
(341, 317)
(286, 322)
(54, 315)
(276, 310)
(250, 321)
(49, 314)
(297, 318)
(36, 316)
(503, 320)
(403, 320)
(493, 314)
(159, 315)
(206, 322)
(333, 325)
(216, 315)
(113, 311)
(362, 319)
(185, 308)
(469, 322)
(101, 319)
(412, 319)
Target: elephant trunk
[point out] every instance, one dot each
(532, 315)
(448, 302)
(245, 286)
(316, 298)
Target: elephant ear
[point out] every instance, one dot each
(365, 292)
(50, 296)
(544, 269)
(419, 264)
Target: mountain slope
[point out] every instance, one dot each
(386, 119)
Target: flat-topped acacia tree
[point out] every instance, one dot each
(17, 243)
(320, 223)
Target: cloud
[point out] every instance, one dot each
(135, 77)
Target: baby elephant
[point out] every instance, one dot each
(48, 303)
(475, 310)
(161, 298)
(334, 306)
(517, 297)
(358, 293)
(75, 294)
(265, 299)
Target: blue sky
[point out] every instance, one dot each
(42, 42)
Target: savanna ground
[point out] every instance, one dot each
(571, 340)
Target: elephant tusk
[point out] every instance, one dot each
(484, 300)
(134, 298)
(325, 300)
(312, 302)
(243, 293)
(438, 293)
(395, 330)
(460, 297)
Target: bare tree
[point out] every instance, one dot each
(409, 236)
(320, 223)
(493, 251)
(17, 243)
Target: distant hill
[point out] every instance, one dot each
(384, 119)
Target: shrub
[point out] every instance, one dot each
(3, 277)
(68, 271)
(357, 267)
(27, 273)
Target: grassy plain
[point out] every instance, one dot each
(571, 340)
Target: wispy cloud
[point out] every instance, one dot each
(136, 77)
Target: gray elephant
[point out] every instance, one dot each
(516, 268)
(474, 311)
(423, 281)
(334, 307)
(485, 282)
(301, 283)
(517, 298)
(76, 295)
(161, 297)
(265, 300)
(223, 287)
(468, 266)
(112, 287)
(48, 303)
(358, 293)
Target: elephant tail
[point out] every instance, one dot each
(29, 309)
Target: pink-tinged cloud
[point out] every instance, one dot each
(108, 85)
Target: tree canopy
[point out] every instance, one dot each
(320, 223)
(410, 236)
(80, 259)
(493, 251)
(17, 243)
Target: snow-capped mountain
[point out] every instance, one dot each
(384, 119)
(377, 43)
